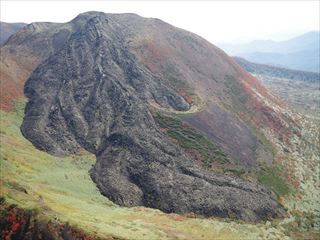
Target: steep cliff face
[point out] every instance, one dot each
(96, 91)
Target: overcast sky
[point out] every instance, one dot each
(217, 21)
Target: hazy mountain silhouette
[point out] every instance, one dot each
(300, 53)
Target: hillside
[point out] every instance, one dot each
(279, 72)
(301, 53)
(7, 29)
(19, 60)
(174, 124)
(300, 89)
(56, 190)
(301, 95)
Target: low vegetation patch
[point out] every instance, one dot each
(191, 139)
(239, 96)
(305, 226)
(272, 178)
(18, 223)
(175, 80)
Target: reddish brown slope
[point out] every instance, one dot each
(23, 53)
(236, 102)
(14, 71)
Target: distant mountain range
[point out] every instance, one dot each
(301, 53)
(7, 29)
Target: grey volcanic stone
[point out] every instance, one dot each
(94, 94)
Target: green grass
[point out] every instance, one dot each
(60, 188)
(236, 91)
(174, 78)
(191, 139)
(172, 75)
(272, 178)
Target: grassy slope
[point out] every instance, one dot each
(272, 177)
(190, 139)
(61, 188)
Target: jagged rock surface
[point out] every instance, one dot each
(94, 93)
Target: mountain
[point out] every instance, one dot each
(107, 94)
(307, 41)
(172, 121)
(7, 29)
(301, 53)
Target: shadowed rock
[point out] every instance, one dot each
(94, 94)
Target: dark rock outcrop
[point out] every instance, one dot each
(94, 94)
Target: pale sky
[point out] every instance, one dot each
(217, 21)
